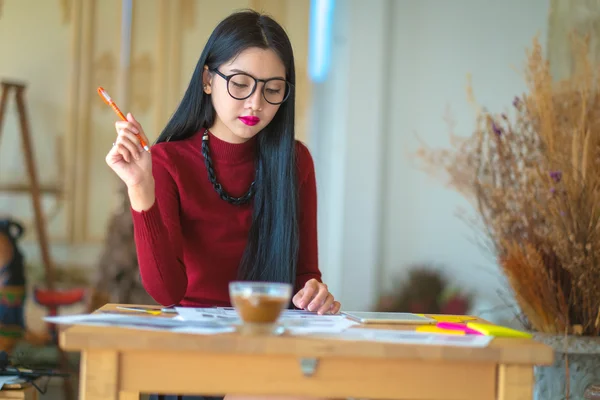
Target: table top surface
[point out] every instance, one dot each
(500, 350)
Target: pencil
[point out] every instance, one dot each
(140, 309)
(108, 100)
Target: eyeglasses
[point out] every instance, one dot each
(241, 86)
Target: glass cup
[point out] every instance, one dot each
(260, 304)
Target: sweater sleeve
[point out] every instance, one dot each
(157, 233)
(308, 262)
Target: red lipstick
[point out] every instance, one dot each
(250, 120)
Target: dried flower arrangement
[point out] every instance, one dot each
(534, 177)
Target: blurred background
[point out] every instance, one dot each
(375, 78)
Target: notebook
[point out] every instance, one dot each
(367, 317)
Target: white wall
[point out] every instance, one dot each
(378, 212)
(347, 143)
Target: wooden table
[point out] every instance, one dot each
(120, 363)
(25, 392)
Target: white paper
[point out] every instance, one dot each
(204, 331)
(413, 337)
(221, 320)
(334, 325)
(295, 322)
(8, 380)
(207, 321)
(224, 315)
(142, 322)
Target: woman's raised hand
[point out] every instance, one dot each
(127, 157)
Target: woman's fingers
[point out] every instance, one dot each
(335, 308)
(327, 305)
(124, 152)
(127, 150)
(127, 125)
(134, 122)
(138, 127)
(133, 127)
(128, 145)
(132, 138)
(320, 298)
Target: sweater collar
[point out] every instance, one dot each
(232, 153)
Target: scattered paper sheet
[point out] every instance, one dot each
(208, 321)
(221, 320)
(142, 322)
(295, 322)
(322, 324)
(223, 315)
(8, 380)
(204, 331)
(412, 337)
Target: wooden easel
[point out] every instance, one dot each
(35, 191)
(34, 187)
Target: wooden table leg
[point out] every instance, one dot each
(515, 382)
(99, 375)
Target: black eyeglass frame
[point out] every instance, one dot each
(289, 86)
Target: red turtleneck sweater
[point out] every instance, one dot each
(190, 242)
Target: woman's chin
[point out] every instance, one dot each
(246, 132)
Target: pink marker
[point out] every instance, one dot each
(453, 326)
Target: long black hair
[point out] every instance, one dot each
(272, 248)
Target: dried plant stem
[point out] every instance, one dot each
(534, 178)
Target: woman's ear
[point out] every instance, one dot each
(206, 80)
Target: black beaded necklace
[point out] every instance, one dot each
(213, 179)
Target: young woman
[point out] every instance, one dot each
(227, 192)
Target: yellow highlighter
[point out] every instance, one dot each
(497, 331)
(435, 329)
(449, 318)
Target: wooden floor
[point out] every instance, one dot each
(55, 392)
